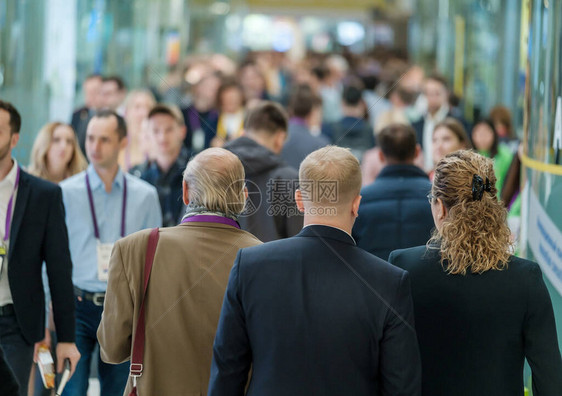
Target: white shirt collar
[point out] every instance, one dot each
(10, 178)
(440, 115)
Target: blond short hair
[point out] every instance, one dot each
(215, 180)
(330, 166)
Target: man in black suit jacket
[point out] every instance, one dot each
(314, 314)
(436, 91)
(35, 233)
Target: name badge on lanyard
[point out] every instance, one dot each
(8, 224)
(104, 254)
(103, 250)
(197, 135)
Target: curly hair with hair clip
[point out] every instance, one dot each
(474, 236)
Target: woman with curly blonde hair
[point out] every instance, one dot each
(56, 154)
(479, 311)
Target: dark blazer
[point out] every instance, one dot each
(420, 124)
(300, 143)
(394, 212)
(38, 234)
(476, 330)
(315, 315)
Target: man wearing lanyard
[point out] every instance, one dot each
(102, 205)
(186, 285)
(201, 117)
(32, 231)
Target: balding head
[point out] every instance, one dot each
(215, 180)
(329, 186)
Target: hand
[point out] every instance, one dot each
(45, 341)
(67, 350)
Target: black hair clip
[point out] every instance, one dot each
(478, 187)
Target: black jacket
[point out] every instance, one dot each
(419, 126)
(394, 212)
(475, 331)
(271, 212)
(315, 315)
(38, 234)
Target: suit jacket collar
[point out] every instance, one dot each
(402, 170)
(19, 209)
(329, 232)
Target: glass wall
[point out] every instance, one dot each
(48, 47)
(542, 209)
(22, 66)
(475, 45)
(138, 40)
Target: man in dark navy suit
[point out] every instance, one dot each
(32, 231)
(314, 314)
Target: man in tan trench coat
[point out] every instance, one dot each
(191, 267)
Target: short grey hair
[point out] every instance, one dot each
(215, 180)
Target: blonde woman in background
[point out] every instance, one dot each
(55, 156)
(137, 106)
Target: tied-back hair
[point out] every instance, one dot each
(215, 178)
(39, 166)
(474, 236)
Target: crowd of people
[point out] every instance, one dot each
(295, 187)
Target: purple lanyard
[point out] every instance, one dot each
(10, 207)
(194, 120)
(211, 219)
(93, 211)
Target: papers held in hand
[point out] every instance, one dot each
(64, 378)
(46, 367)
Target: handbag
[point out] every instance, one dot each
(138, 343)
